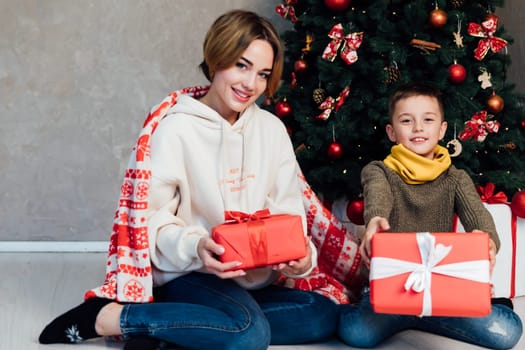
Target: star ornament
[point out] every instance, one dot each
(486, 31)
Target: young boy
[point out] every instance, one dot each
(415, 188)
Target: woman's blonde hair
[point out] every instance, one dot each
(231, 34)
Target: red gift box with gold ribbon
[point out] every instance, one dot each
(430, 274)
(260, 239)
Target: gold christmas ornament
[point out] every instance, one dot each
(437, 18)
(495, 103)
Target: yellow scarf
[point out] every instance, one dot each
(415, 169)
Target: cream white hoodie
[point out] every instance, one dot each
(201, 166)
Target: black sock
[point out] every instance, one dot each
(76, 325)
(505, 301)
(142, 343)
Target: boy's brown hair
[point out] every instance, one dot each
(414, 89)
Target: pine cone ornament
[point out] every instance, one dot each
(319, 96)
(392, 74)
(457, 3)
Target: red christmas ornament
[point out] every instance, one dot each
(335, 151)
(495, 103)
(518, 204)
(522, 124)
(354, 211)
(283, 109)
(437, 18)
(457, 73)
(300, 66)
(337, 5)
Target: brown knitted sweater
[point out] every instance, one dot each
(424, 207)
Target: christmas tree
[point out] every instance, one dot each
(345, 57)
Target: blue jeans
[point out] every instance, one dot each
(202, 311)
(360, 326)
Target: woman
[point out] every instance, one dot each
(212, 152)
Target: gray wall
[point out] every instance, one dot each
(512, 17)
(76, 81)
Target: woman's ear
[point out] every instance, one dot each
(390, 132)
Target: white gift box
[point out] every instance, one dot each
(508, 277)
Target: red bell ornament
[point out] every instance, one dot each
(495, 103)
(337, 5)
(518, 204)
(283, 109)
(354, 211)
(335, 151)
(457, 73)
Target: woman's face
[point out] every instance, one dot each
(234, 89)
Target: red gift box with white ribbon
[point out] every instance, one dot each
(260, 239)
(430, 274)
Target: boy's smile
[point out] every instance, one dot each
(417, 124)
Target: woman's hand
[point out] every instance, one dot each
(376, 224)
(296, 267)
(207, 249)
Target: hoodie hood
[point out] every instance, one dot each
(208, 116)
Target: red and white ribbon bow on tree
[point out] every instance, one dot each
(330, 104)
(487, 194)
(349, 43)
(478, 127)
(486, 31)
(287, 10)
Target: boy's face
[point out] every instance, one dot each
(417, 124)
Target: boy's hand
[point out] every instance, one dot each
(376, 224)
(492, 253)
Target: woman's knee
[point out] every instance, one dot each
(256, 335)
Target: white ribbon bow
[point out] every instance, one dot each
(420, 277)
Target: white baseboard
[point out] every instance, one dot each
(53, 246)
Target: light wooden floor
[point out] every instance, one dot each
(36, 287)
